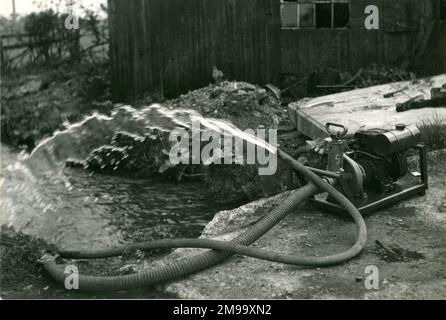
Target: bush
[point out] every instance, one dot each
(48, 37)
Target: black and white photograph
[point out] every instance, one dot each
(242, 152)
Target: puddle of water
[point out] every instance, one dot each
(74, 209)
(71, 208)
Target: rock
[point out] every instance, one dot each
(229, 221)
(128, 269)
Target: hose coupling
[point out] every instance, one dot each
(48, 258)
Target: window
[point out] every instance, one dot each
(315, 13)
(443, 9)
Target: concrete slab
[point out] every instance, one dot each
(366, 108)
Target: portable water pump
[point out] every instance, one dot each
(371, 169)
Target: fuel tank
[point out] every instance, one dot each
(385, 142)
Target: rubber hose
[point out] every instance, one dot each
(204, 244)
(227, 249)
(302, 150)
(186, 266)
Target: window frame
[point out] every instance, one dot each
(314, 3)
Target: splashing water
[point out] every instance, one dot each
(80, 139)
(185, 118)
(226, 128)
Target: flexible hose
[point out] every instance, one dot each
(207, 259)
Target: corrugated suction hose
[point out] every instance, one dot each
(221, 250)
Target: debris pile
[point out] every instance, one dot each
(127, 153)
(325, 81)
(244, 104)
(379, 74)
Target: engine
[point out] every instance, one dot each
(382, 154)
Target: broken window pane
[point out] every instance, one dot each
(341, 15)
(323, 15)
(289, 15)
(306, 15)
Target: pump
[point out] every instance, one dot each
(372, 169)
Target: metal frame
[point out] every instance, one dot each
(314, 2)
(377, 201)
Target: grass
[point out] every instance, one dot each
(433, 132)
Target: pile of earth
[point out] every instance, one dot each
(146, 154)
(243, 104)
(19, 257)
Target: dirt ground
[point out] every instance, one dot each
(407, 242)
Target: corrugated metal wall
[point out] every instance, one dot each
(403, 26)
(170, 46)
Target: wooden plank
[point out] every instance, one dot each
(365, 108)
